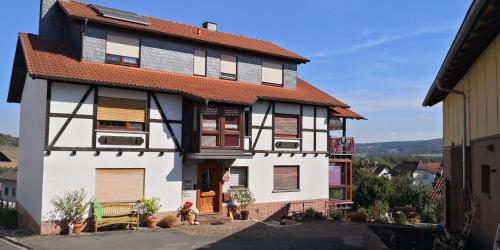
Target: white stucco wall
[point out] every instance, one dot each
(423, 177)
(31, 146)
(67, 173)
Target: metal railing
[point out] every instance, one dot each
(342, 145)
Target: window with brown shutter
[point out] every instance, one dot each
(120, 113)
(286, 178)
(286, 125)
(119, 185)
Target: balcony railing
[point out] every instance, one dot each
(342, 146)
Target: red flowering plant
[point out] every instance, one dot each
(186, 209)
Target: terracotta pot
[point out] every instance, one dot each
(77, 228)
(152, 221)
(244, 215)
(189, 218)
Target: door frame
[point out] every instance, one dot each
(217, 184)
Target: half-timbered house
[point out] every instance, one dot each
(127, 106)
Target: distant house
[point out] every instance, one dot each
(380, 170)
(422, 173)
(8, 181)
(427, 173)
(405, 168)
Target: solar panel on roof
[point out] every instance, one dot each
(121, 15)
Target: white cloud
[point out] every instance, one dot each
(383, 40)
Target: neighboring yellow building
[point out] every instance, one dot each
(472, 68)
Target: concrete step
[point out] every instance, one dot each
(213, 218)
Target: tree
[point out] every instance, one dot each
(407, 194)
(369, 188)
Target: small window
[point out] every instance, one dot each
(286, 178)
(228, 67)
(120, 114)
(485, 179)
(272, 73)
(200, 62)
(122, 50)
(119, 185)
(286, 125)
(6, 191)
(13, 192)
(238, 177)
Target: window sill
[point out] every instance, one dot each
(120, 131)
(272, 84)
(286, 191)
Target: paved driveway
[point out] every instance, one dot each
(236, 235)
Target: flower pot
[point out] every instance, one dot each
(152, 221)
(244, 215)
(77, 228)
(189, 218)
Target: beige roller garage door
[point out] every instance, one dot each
(119, 185)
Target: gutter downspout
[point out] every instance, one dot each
(464, 142)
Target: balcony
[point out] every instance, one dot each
(341, 146)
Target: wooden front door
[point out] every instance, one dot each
(209, 187)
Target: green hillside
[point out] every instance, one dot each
(401, 148)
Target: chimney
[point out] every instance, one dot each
(210, 26)
(51, 23)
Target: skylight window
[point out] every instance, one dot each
(120, 15)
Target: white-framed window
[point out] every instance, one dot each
(228, 66)
(123, 50)
(200, 63)
(272, 73)
(238, 177)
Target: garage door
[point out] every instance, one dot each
(119, 185)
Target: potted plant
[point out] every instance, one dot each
(69, 210)
(148, 208)
(188, 213)
(245, 199)
(168, 221)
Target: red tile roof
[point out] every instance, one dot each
(56, 61)
(83, 11)
(347, 113)
(431, 167)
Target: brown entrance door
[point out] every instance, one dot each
(209, 187)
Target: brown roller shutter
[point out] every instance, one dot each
(120, 109)
(287, 125)
(286, 177)
(119, 185)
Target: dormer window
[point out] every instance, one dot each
(272, 73)
(122, 50)
(228, 67)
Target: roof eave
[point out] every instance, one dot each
(470, 20)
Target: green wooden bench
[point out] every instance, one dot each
(114, 214)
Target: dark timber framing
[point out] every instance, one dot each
(262, 125)
(272, 126)
(47, 112)
(300, 125)
(68, 120)
(164, 117)
(314, 139)
(147, 121)
(94, 117)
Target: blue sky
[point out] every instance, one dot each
(378, 56)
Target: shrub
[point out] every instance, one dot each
(148, 207)
(369, 188)
(70, 208)
(401, 218)
(167, 221)
(358, 216)
(244, 198)
(8, 218)
(409, 195)
(430, 215)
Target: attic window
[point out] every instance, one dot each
(122, 50)
(228, 67)
(120, 15)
